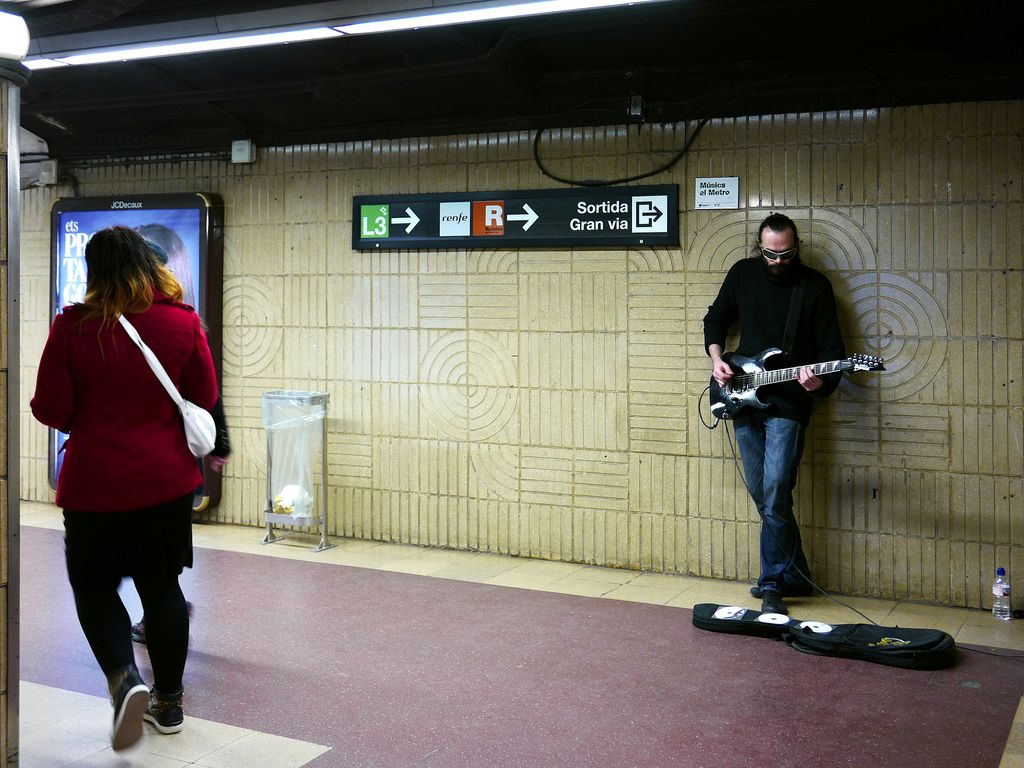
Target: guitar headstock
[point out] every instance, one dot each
(860, 362)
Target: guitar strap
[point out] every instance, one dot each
(796, 299)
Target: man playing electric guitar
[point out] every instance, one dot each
(778, 302)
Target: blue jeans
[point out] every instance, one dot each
(771, 448)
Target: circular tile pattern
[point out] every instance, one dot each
(252, 327)
(469, 391)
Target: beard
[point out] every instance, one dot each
(782, 271)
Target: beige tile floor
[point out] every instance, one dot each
(215, 745)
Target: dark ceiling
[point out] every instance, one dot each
(686, 60)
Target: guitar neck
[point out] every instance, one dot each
(752, 380)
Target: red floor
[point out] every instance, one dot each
(398, 670)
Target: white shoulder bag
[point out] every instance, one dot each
(200, 431)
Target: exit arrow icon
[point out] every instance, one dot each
(529, 217)
(647, 213)
(411, 219)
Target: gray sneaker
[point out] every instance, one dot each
(165, 712)
(139, 631)
(128, 694)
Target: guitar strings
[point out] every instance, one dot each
(760, 378)
(744, 381)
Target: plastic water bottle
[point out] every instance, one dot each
(1001, 596)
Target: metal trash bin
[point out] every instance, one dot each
(296, 427)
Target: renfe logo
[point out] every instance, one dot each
(453, 219)
(488, 217)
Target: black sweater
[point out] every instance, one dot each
(760, 302)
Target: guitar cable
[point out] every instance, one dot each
(764, 522)
(792, 555)
(700, 413)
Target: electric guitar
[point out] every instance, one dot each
(751, 374)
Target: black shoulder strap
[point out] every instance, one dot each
(796, 299)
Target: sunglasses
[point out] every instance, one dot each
(778, 255)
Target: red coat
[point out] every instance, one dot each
(126, 448)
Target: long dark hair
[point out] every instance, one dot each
(123, 271)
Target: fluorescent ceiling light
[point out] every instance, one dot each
(328, 28)
(35, 64)
(490, 13)
(184, 47)
(13, 37)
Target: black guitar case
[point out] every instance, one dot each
(893, 646)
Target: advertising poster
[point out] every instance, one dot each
(187, 228)
(177, 232)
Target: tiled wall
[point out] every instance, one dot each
(546, 402)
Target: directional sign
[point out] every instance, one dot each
(410, 218)
(527, 216)
(602, 216)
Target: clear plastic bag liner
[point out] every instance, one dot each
(294, 424)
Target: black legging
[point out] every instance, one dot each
(149, 545)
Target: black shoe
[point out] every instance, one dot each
(772, 603)
(788, 590)
(165, 712)
(129, 695)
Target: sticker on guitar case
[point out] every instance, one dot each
(816, 627)
(729, 612)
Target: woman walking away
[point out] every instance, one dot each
(127, 478)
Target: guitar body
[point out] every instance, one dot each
(726, 402)
(752, 373)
